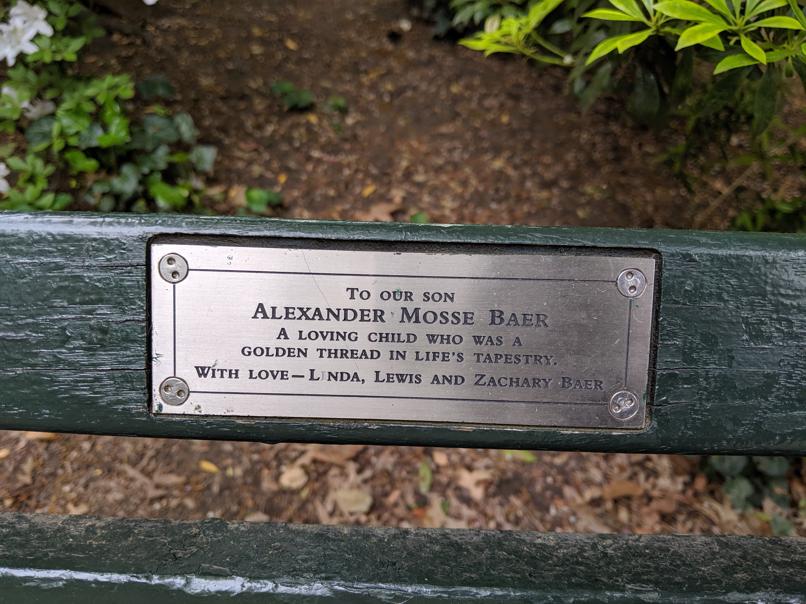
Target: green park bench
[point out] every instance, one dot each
(672, 342)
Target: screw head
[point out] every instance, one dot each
(631, 282)
(174, 391)
(173, 268)
(623, 405)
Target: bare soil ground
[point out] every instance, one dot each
(431, 128)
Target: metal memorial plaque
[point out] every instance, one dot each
(524, 336)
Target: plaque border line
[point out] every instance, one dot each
(424, 398)
(224, 270)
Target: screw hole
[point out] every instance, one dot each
(175, 275)
(633, 289)
(167, 388)
(180, 393)
(630, 275)
(171, 260)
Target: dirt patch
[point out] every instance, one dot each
(431, 126)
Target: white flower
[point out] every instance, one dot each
(32, 18)
(150, 2)
(4, 171)
(38, 109)
(15, 39)
(25, 23)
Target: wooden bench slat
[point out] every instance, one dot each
(47, 558)
(731, 356)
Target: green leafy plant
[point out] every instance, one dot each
(787, 216)
(259, 200)
(766, 35)
(338, 104)
(76, 140)
(467, 13)
(749, 481)
(753, 36)
(720, 68)
(523, 35)
(293, 98)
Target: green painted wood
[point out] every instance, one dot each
(77, 559)
(730, 371)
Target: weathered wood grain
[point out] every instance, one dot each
(730, 371)
(73, 559)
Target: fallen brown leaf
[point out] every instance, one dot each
(353, 501)
(208, 466)
(293, 478)
(472, 481)
(46, 436)
(622, 488)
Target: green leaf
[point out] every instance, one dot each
(17, 164)
(425, 477)
(698, 34)
(734, 61)
(590, 91)
(772, 466)
(777, 23)
(738, 490)
(765, 102)
(127, 182)
(683, 81)
(645, 101)
(80, 162)
(781, 527)
(728, 465)
(168, 197)
(753, 49)
(539, 11)
(338, 104)
(562, 26)
(155, 87)
(419, 218)
(630, 40)
(61, 201)
(688, 11)
(630, 7)
(721, 6)
(519, 455)
(293, 98)
(796, 10)
(155, 161)
(608, 14)
(117, 133)
(603, 48)
(40, 133)
(767, 5)
(715, 43)
(186, 128)
(159, 130)
(258, 200)
(203, 157)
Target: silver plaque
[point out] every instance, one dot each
(523, 336)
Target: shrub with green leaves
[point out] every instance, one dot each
(75, 140)
(489, 13)
(749, 481)
(723, 67)
(765, 39)
(293, 98)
